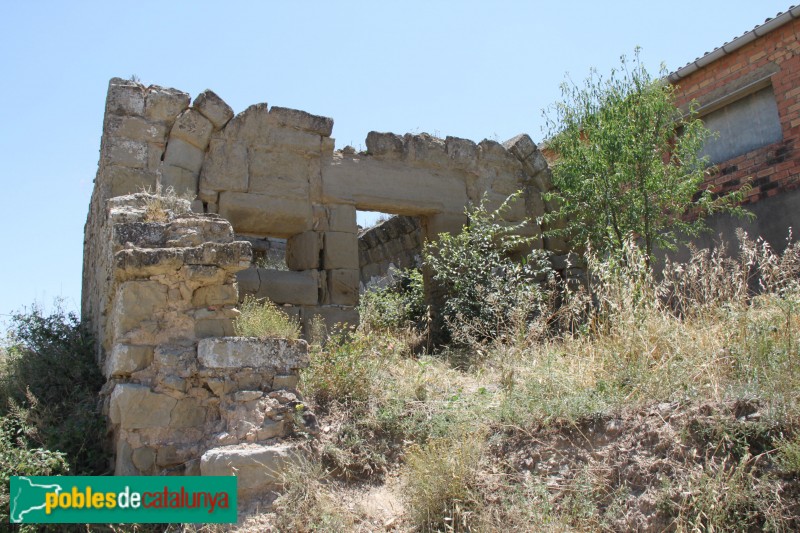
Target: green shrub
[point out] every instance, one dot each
(21, 456)
(342, 371)
(398, 305)
(264, 319)
(490, 293)
(49, 369)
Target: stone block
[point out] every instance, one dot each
(213, 327)
(181, 180)
(303, 249)
(225, 167)
(124, 97)
(280, 172)
(144, 458)
(188, 413)
(301, 120)
(184, 155)
(135, 128)
(343, 287)
(334, 317)
(257, 467)
(391, 186)
(208, 196)
(463, 152)
(213, 108)
(514, 211)
(126, 180)
(125, 359)
(169, 455)
(522, 146)
(288, 382)
(524, 149)
(248, 281)
(426, 149)
(388, 145)
(123, 461)
(270, 430)
(251, 126)
(280, 355)
(340, 250)
(342, 218)
(155, 154)
(300, 142)
(261, 214)
(289, 287)
(543, 181)
(215, 295)
(451, 223)
(125, 153)
(293, 311)
(192, 127)
(137, 407)
(163, 104)
(137, 302)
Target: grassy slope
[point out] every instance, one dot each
(677, 416)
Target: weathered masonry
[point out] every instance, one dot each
(162, 278)
(273, 172)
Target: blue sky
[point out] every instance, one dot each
(469, 69)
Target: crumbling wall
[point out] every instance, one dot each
(162, 276)
(182, 393)
(272, 172)
(393, 243)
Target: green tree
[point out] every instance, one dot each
(628, 162)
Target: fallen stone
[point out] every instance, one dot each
(256, 467)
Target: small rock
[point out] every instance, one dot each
(247, 395)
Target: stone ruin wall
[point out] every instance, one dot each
(183, 396)
(160, 289)
(393, 243)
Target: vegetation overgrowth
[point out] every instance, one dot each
(50, 421)
(628, 160)
(631, 402)
(635, 402)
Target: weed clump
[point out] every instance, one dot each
(263, 319)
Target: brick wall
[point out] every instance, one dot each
(774, 168)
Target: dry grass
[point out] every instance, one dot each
(264, 319)
(640, 404)
(160, 204)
